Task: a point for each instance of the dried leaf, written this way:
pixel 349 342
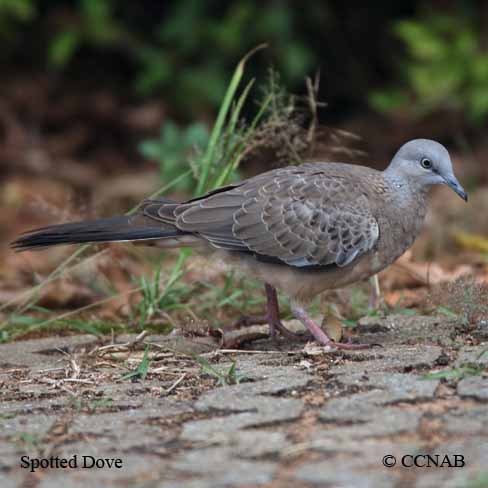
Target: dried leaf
pixel 332 323
pixel 474 242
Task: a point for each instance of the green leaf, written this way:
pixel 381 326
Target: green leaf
pixel 155 70
pixel 479 69
pixel 231 377
pixel 101 403
pixel 296 59
pixel 460 372
pixel 422 42
pixel 448 374
pixel 478 103
pixel 63 47
pixel 388 101
pixel 196 135
pixel 151 150
pixel 207 368
pixel 96 9
pixel 86 327
pixel 142 369
pixel 23 10
pixel 8 415
pixel 25 320
pixel 446 311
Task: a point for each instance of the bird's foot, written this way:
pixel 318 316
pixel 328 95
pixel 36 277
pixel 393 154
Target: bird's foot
pixel 275 326
pixel 320 336
pixel 278 326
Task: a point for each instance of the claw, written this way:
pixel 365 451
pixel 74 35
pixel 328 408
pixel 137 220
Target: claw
pixel 320 335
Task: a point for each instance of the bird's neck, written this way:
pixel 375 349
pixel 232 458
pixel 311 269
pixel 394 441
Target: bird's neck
pixel 406 190
pixel 405 213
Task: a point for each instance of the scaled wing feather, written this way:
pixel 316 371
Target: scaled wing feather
pixel 311 215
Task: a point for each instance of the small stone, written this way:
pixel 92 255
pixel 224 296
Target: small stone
pixel 473 386
pixel 477 355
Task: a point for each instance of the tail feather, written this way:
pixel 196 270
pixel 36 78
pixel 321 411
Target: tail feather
pixel 103 230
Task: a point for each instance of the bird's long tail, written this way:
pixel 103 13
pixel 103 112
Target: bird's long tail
pixel 115 229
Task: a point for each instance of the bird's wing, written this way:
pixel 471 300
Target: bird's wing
pixel 311 215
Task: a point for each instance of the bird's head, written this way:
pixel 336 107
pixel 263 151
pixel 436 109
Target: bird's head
pixel 426 163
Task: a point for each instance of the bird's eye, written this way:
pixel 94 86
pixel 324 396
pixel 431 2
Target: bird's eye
pixel 426 163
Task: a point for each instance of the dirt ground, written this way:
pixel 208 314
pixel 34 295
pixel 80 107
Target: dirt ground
pixel 299 415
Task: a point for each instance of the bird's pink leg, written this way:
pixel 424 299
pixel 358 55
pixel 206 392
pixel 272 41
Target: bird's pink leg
pixel 272 316
pixel 319 334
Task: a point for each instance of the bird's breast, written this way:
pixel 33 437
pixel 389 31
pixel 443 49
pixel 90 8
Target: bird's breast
pixel 400 224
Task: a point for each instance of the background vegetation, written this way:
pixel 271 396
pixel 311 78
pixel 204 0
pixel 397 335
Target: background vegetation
pixel 183 51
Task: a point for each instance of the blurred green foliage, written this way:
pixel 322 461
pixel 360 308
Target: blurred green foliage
pixel 445 67
pixel 13 13
pixel 184 49
pixel 174 148
pixel 17 9
pixel 177 57
pixel 95 25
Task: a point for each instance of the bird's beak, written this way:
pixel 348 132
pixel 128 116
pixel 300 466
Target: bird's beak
pixel 453 183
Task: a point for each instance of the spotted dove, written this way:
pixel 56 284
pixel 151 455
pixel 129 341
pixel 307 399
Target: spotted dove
pixel 300 229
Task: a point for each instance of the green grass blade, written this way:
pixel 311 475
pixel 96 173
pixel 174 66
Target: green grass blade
pixel 237 153
pixel 217 130
pixel 141 370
